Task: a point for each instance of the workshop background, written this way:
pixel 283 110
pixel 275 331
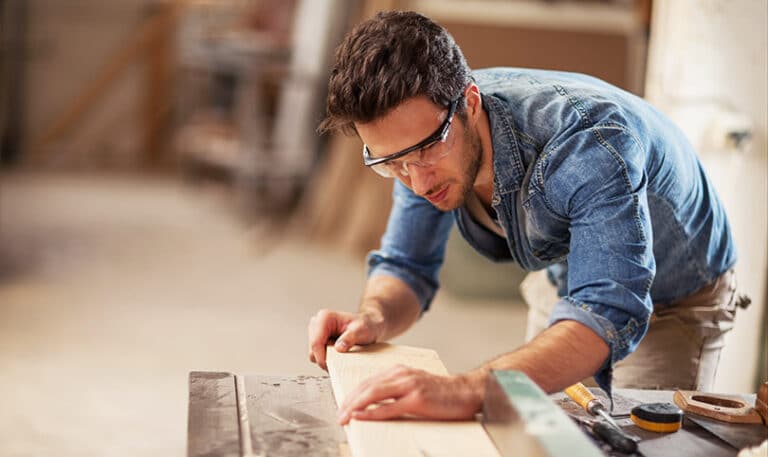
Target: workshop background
pixel 167 206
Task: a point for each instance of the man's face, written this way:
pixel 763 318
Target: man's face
pixel 447 182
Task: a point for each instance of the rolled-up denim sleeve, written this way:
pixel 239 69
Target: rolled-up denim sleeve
pixel 596 179
pixel 413 246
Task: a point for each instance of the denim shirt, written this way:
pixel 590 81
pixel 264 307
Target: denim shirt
pixel 590 182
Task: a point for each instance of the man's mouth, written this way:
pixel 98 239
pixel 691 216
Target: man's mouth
pixel 437 197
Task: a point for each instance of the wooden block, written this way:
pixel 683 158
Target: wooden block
pixel 403 438
pixel 213 426
pixel 726 408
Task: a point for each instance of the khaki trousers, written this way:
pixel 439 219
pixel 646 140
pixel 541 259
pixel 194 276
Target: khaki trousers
pixel 682 347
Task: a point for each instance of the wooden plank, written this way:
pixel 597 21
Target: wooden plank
pixel 292 416
pixel 213 427
pixel 403 438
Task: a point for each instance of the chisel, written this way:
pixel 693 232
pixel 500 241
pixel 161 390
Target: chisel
pixel 609 431
pixel 584 398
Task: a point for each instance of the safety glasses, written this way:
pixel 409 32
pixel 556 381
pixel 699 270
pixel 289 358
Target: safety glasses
pixel 389 166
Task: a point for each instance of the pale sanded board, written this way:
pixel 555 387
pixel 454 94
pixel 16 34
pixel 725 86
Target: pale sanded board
pixel 402 438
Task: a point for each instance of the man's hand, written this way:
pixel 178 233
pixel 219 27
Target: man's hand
pixel 404 391
pixel 349 329
pixel 387 309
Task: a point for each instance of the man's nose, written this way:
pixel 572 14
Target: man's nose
pixel 422 179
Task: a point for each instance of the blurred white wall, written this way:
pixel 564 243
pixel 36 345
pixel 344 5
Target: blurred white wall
pixel 708 69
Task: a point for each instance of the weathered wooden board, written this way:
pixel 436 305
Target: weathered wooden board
pixel 257 415
pixel 212 427
pixel 292 416
pixel 403 438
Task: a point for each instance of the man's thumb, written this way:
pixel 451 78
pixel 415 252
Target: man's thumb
pixel 344 342
pixel 347 339
pixel 341 345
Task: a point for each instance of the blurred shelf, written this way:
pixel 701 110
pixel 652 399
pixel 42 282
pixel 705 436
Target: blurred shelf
pixel 603 39
pixel 210 145
pixel 576 16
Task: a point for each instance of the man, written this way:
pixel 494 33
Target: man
pixel 551 170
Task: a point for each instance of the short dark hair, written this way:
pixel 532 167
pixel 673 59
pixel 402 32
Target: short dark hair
pixel 385 60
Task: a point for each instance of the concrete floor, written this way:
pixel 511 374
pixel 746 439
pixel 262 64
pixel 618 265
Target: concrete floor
pixel 113 288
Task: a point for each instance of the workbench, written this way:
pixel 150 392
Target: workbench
pixel 292 416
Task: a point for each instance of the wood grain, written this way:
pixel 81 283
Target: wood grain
pixel 213 428
pixel 292 416
pixel 404 438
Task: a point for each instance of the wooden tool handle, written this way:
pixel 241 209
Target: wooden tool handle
pixel 581 395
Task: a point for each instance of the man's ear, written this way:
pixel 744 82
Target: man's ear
pixel 474 103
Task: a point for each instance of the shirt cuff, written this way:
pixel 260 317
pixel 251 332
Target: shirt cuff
pixel 618 342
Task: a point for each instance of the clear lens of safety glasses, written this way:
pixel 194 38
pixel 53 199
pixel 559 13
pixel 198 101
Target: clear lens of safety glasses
pixel 427 152
pixel 388 169
pixel 425 158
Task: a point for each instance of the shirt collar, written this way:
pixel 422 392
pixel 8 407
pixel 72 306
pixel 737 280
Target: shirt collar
pixel 508 168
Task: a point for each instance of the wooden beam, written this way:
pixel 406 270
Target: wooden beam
pixel 403 438
pixel 213 427
pixel 157 103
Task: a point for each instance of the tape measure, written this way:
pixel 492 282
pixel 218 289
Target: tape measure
pixel 657 417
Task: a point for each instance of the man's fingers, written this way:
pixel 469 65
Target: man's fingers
pixel 342 345
pixel 356 332
pixel 393 410
pixel 349 338
pixel 316 349
pixel 407 391
pixel 349 330
pixel 375 390
pixel 396 390
pixel 320 329
pixel 380 378
pixel 318 353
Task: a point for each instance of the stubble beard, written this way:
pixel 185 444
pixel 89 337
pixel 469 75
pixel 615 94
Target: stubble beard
pixel 470 165
pixel 473 161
